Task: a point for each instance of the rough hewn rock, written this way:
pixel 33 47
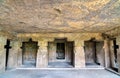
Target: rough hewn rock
pixel 45 20
pixel 59 16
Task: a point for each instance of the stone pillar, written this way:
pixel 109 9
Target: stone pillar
pixel 79 59
pixel 15 56
pixel 118 60
pixel 107 53
pixel 2 53
pixel 42 55
pixel 19 54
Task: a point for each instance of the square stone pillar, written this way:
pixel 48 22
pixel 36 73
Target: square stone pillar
pixel 15 55
pixel 2 53
pixel 107 53
pixel 19 54
pixel 79 58
pixel 42 55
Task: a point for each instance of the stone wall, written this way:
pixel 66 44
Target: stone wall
pixel 2 53
pixel 4 35
pixel 52 51
pixel 44 38
pixel 15 57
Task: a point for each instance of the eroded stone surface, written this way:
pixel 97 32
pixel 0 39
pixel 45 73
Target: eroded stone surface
pixel 34 18
pixel 59 16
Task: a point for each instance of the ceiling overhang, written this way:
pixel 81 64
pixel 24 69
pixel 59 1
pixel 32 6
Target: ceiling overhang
pixel 59 16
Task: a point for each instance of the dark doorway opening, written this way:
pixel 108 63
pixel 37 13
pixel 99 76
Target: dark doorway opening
pixel 7 47
pixel 94 53
pixel 29 53
pixel 60 53
pixel 115 47
pixel 90 53
pixel 115 50
pixel 71 50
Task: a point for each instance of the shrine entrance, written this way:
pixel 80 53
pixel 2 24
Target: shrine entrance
pixel 60 53
pixel 29 53
pixel 94 53
pixel 60 50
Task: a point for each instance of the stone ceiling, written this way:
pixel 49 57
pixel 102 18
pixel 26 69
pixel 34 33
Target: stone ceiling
pixel 35 16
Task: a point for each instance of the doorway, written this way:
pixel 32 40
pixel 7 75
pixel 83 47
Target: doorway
pixel 114 56
pixel 29 53
pixel 90 54
pixel 94 53
pixel 60 51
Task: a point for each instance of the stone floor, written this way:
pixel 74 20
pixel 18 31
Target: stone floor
pixel 93 65
pixel 60 65
pixel 59 73
pixel 68 65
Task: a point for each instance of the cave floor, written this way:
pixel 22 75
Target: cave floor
pixel 58 73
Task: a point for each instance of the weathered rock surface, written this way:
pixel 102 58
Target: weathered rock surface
pixel 59 15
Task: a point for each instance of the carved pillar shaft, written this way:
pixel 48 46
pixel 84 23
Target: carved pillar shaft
pixel 79 54
pixel 15 54
pixel 107 53
pixel 42 55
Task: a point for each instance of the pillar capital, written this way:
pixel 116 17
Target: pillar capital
pixel 79 43
pixel 42 43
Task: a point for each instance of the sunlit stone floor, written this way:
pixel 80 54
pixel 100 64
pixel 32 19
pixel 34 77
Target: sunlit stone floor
pixel 59 73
